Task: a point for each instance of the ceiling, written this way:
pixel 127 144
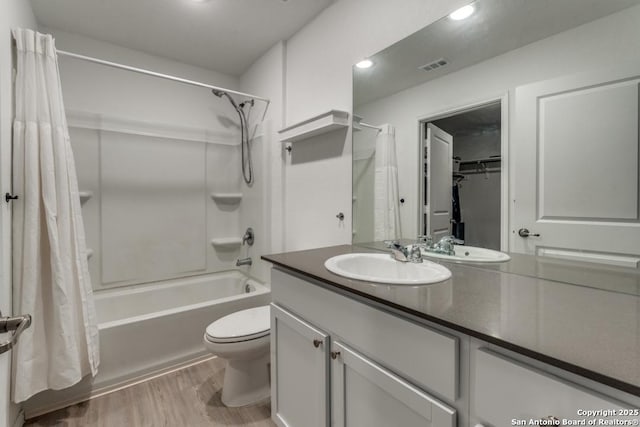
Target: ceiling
pixel 478 120
pixel 221 35
pixel 497 27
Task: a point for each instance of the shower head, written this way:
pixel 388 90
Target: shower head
pixel 244 134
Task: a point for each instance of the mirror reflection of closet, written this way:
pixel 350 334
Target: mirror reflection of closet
pixel 461 196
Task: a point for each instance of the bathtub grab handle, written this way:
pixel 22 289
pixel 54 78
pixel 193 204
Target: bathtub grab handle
pixel 17 324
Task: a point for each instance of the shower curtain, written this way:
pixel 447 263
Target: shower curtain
pixel 50 271
pixel 386 202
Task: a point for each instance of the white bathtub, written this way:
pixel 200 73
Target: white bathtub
pixel 151 328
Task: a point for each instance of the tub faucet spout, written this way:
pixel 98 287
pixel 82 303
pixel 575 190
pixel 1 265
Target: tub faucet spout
pixel 243 261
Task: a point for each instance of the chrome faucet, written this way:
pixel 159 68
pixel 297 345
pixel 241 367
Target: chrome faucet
pixel 404 253
pixel 444 246
pixel 243 261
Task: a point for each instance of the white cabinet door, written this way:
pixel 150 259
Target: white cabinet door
pixel 299 372
pixel 366 395
pixel 506 392
pixel 575 167
pixel 439 181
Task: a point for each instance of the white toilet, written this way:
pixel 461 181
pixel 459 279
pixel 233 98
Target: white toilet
pixel 242 338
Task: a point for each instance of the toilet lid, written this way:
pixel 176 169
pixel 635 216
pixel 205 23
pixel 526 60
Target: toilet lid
pixel 242 325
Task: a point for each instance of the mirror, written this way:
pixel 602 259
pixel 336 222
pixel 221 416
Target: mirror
pixel 515 129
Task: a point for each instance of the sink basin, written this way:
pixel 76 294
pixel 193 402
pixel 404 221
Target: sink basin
pixel 382 268
pixel 470 254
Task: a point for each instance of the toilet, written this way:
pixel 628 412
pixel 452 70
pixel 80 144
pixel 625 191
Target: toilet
pixel 242 338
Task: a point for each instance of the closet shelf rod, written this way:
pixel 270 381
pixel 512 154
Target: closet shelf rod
pixel 483 160
pixel 160 75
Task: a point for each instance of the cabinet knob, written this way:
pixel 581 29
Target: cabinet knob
pixel 335 354
pixel 316 343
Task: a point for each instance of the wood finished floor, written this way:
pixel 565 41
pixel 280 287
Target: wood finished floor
pixel 189 397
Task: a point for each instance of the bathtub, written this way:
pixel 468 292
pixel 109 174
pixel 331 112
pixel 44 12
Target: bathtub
pixel 149 329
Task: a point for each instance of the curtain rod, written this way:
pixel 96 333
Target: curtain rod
pixel 366 125
pixel 162 76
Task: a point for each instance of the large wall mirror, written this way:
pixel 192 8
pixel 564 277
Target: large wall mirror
pixel 514 128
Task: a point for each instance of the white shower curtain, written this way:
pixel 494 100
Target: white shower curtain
pixel 50 271
pixel 386 204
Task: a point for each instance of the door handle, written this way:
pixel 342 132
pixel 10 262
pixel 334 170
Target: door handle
pixel 523 232
pixel 17 324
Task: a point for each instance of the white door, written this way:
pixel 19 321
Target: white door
pixel 299 372
pixel 366 395
pixel 438 182
pixel 575 167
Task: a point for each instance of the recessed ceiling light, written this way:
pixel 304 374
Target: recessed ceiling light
pixel 365 63
pixel 463 13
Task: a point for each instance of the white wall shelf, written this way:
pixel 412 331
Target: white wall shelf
pixel 227 197
pixel 356 123
pixel 226 242
pixel 85 195
pixel 317 125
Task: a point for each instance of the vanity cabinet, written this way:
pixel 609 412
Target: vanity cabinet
pixel 339 365
pixel 507 392
pixel 365 394
pixel 342 360
pixel 299 371
pixel 307 380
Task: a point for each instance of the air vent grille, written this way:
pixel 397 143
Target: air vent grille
pixel 433 65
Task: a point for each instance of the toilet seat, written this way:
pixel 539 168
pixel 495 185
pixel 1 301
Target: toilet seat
pixel 244 325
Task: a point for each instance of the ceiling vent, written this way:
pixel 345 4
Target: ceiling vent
pixel 433 65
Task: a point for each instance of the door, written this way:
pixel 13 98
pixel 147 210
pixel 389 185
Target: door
pixel 299 372
pixel 7 410
pixel 366 395
pixel 438 181
pixel 575 167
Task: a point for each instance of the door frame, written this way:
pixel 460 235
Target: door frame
pixel 505 188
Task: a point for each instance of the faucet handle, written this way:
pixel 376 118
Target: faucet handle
pixel 425 238
pixel 452 239
pixel 392 244
pixel 415 255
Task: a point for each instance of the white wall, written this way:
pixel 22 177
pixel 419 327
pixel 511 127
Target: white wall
pixel 13 14
pixel 318 78
pixel 583 48
pixel 111 92
pixel 262 204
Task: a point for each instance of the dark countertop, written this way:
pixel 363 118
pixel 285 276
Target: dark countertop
pixel 600 276
pixel 592 332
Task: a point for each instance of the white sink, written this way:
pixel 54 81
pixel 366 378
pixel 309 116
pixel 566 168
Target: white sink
pixel 470 254
pixel 382 268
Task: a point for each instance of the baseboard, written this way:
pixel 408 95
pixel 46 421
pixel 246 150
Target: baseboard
pixel 102 391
